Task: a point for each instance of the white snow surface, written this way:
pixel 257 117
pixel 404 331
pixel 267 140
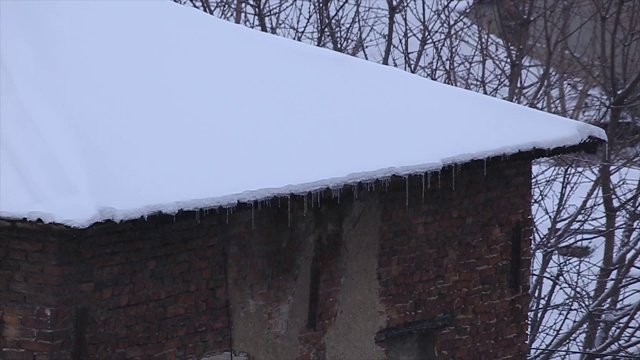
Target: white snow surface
pixel 119 109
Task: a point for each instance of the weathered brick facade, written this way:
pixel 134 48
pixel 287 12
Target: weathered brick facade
pixel 338 275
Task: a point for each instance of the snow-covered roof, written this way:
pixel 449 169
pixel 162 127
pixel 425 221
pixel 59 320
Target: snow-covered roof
pixel 118 109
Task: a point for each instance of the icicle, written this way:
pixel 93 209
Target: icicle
pixel 253 223
pixel 439 180
pixel 406 190
pixel 174 218
pixel 279 201
pixel 259 205
pixel 305 204
pixel 289 209
pixel 423 188
pixel 428 180
pixel 227 216
pixel 371 185
pixel 485 167
pixel 453 175
pixel 355 191
pixel 198 216
pixel 339 195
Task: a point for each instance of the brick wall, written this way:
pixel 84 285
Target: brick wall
pixel 143 289
pixel 153 289
pixel 357 262
pixel 34 316
pixel 451 253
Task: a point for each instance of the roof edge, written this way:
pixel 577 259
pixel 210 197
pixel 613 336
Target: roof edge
pixel 589 145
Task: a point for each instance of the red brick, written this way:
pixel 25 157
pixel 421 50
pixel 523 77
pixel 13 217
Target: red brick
pixel 18 310
pixel 39 346
pixel 35 323
pixel 87 287
pixel 17 254
pixel 180 268
pixel 28 245
pixel 56 269
pixel 17 332
pixel 44 279
pixel 16 354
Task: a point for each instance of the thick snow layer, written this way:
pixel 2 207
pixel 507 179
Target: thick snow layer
pixel 117 109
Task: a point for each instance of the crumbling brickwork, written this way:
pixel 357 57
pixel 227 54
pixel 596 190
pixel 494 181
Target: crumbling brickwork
pixel 160 292
pixel 144 289
pixel 34 311
pixel 335 274
pixel 451 253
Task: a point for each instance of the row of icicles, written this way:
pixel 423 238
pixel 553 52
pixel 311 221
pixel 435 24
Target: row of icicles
pixel 316 195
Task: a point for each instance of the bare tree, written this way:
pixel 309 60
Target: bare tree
pixel 586 289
